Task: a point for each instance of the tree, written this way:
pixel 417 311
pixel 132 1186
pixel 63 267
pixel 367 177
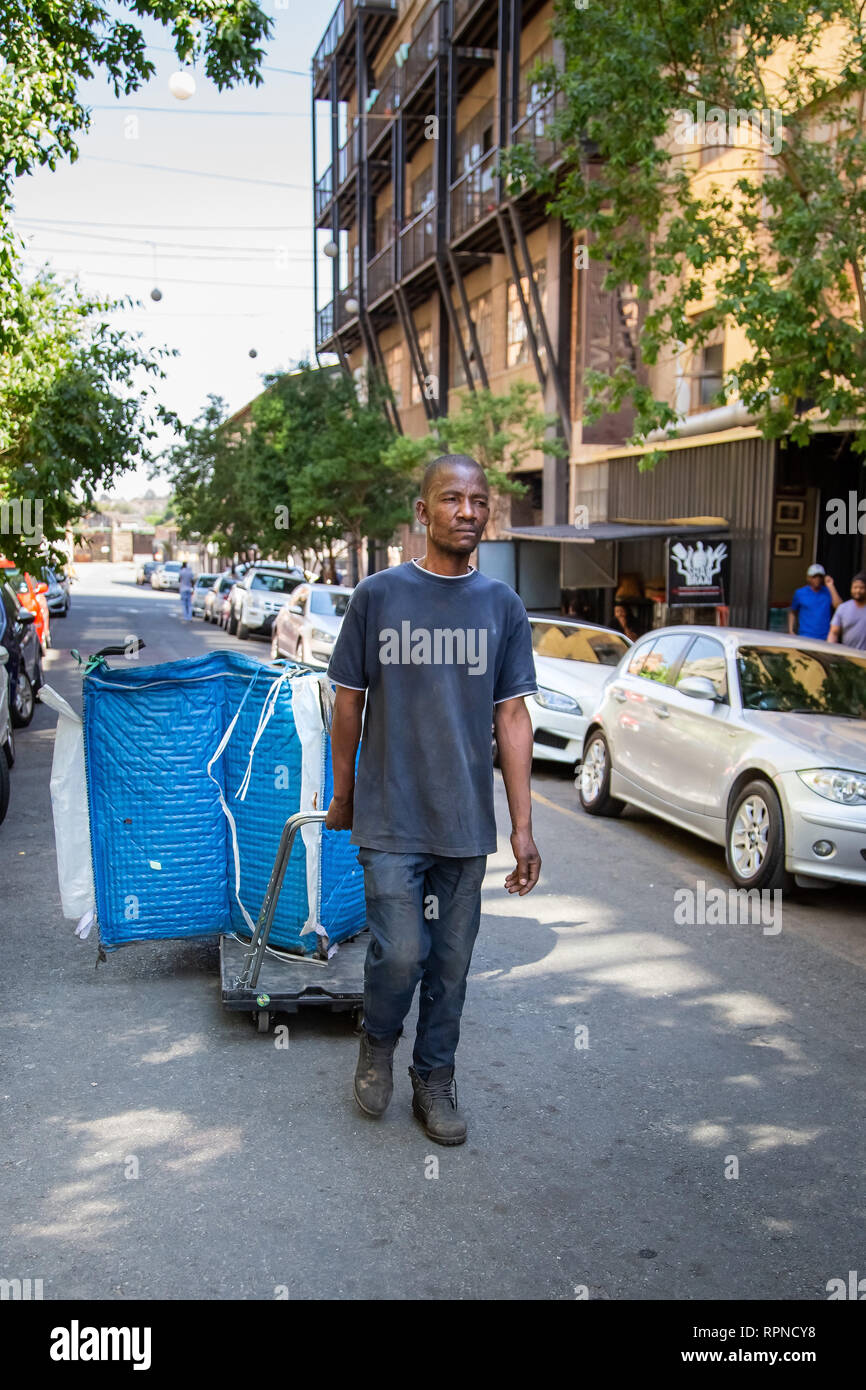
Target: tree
pixel 78 409
pixel 306 469
pixel 777 247
pixel 47 49
pixel 499 432
pixel 211 493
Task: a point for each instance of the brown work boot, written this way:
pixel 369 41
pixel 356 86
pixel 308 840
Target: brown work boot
pixel 434 1103
pixel 374 1076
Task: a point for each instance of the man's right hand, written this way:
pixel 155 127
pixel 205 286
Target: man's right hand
pixel 340 813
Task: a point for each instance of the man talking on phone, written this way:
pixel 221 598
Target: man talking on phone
pixel 439 653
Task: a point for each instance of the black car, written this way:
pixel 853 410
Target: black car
pixel 24 668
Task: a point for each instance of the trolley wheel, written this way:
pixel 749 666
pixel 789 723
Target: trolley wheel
pixel 262 1020
pixel 358 1019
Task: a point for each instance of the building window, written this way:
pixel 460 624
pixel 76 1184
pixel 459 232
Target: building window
pixel 517 348
pixel 393 358
pixel 482 316
pixel 710 375
pixel 425 343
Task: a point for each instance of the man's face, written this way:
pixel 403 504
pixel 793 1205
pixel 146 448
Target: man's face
pixel 858 591
pixel 816 581
pixel 456 510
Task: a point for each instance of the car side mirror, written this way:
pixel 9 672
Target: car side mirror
pixel 699 688
pixel 25 616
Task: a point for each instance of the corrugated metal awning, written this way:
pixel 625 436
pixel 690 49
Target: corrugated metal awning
pixel 616 531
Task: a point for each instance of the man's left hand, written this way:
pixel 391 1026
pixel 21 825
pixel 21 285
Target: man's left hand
pixel 524 876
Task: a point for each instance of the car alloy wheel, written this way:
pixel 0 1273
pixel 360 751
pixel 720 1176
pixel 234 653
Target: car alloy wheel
pixel 593 770
pixel 750 836
pixel 22 712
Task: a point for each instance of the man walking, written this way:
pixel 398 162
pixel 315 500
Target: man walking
pixel 813 604
pixel 849 620
pixel 440 653
pixel 185 582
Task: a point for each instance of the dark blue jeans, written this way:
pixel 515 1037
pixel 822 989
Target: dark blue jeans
pixel 423 911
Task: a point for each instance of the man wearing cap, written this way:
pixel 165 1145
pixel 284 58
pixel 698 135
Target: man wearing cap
pixel 813 604
pixel 849 620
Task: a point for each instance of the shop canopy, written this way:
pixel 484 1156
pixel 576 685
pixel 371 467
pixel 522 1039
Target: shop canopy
pixel 620 530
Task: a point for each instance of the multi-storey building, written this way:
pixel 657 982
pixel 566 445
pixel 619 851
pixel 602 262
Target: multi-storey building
pixel 446 283
pixel 441 280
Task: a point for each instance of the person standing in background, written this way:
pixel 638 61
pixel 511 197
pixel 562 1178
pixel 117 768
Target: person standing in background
pixel 813 605
pixel 185 583
pixel 849 620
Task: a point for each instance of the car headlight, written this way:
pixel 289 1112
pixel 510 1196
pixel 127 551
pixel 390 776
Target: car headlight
pixel 836 784
pixel 552 699
pixel 319 635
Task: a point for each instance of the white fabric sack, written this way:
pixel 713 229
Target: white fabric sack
pixel 69 808
pixel 307 713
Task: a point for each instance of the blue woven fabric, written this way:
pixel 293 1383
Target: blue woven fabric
pixel 162 847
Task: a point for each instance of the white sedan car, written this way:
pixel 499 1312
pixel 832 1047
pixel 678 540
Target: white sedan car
pixel 572 662
pixel 753 740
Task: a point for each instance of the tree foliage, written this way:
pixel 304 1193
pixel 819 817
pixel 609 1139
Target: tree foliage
pixel 778 248
pixel 78 409
pixel 499 432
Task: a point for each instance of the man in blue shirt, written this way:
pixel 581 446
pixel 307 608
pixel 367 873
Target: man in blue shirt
pixel 813 604
pixel 440 653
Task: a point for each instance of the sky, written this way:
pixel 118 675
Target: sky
pixel 227 238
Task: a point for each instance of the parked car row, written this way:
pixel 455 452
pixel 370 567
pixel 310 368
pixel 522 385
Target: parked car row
pixel 24 637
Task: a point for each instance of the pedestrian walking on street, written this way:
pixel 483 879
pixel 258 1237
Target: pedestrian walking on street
pixel 849 620
pixel 185 583
pixel 813 604
pixel 440 654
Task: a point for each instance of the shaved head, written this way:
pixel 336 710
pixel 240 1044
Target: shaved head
pixel 434 471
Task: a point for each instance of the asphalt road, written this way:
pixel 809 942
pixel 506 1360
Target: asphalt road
pixel 157 1147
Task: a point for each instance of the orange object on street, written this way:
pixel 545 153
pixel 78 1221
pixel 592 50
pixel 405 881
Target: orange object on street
pixel 31 594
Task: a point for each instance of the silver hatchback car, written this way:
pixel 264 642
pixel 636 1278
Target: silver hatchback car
pixel 753 740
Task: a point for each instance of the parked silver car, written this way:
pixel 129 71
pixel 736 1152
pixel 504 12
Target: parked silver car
pixel 753 740
pixel 308 626
pixel 203 586
pixel 213 599
pixel 257 598
pixel 166 576
pixel 572 662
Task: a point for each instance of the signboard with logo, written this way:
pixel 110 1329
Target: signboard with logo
pixel 698 571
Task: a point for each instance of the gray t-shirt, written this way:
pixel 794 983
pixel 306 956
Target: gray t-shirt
pixel 851 618
pixel 184 579
pixel 434 654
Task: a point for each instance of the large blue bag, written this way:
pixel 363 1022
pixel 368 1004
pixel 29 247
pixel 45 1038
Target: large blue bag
pixel 193 768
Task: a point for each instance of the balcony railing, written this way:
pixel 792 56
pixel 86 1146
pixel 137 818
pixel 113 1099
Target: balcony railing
pixel 461 9
pixel 534 129
pixel 386 105
pixel 380 273
pixel 422 49
pixel 345 315
pixel 324 192
pixel 473 195
pixel 347 158
pixel 340 18
pixel 325 323
pixel 417 241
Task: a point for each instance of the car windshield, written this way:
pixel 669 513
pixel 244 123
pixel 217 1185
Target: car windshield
pixel 570 642
pixel 172 565
pixel 276 583
pixel 205 581
pixel 796 679
pixel 332 605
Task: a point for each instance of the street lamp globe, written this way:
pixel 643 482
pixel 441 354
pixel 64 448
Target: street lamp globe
pixel 181 84
pixel 352 306
pixel 331 249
